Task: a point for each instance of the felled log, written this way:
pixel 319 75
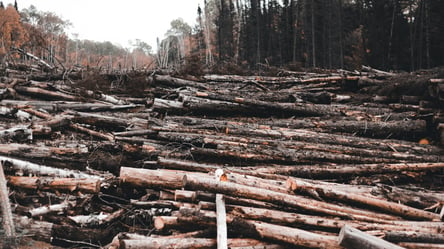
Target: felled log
pixel 42 169
pixel 350 237
pixel 5 207
pixel 293 236
pixel 233 189
pixel 62 207
pixel 95 220
pixel 255 229
pixel 176 82
pixel 64 234
pixel 349 170
pixel 318 222
pixel 56 184
pixel 369 201
pixel 19 134
pixel 169 179
pixel 411 245
pixel 44 94
pixel 55 106
pixel 415 237
pixel 186 243
pixel 99 120
pixel 103 136
pixel 41 153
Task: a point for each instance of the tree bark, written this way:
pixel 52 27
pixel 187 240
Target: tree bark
pixel 350 237
pixel 56 184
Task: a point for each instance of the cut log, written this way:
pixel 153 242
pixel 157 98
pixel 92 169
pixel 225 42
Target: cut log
pixel 20 134
pixel 369 201
pixel 62 207
pixel 44 94
pixel 414 237
pixel 5 207
pixel 103 136
pixel 352 238
pixel 293 236
pixel 410 245
pixel 44 170
pixel 56 184
pixel 169 179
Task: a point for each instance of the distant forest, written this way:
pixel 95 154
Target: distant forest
pixel 387 34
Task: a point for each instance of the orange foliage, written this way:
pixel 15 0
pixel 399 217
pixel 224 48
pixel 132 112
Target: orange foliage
pixel 12 33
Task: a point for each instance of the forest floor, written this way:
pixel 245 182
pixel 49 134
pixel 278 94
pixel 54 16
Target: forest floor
pixel 128 159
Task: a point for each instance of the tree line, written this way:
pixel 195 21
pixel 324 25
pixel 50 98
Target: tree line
pixel 44 34
pixel 386 34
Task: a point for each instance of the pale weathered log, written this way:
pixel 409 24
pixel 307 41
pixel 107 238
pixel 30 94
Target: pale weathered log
pixel 56 184
pixel 176 82
pixel 55 106
pixel 62 207
pixel 17 133
pixel 44 170
pixel 5 207
pixel 349 170
pixel 352 238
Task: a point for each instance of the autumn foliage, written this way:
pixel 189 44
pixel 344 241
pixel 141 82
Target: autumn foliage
pixel 12 31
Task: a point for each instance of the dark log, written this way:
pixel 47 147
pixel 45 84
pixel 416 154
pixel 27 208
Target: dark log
pixel 352 238
pixel 62 207
pixel 415 237
pixel 186 243
pixel 56 106
pixel 233 189
pixel 176 82
pixel 349 170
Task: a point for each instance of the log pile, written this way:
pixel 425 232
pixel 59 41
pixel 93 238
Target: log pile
pixel 309 160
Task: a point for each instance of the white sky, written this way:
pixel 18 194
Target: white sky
pixel 118 21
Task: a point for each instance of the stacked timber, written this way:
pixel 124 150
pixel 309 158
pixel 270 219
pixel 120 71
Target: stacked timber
pixel 308 160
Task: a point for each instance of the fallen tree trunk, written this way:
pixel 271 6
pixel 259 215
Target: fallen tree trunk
pixel 352 238
pixel 233 189
pixel 186 243
pixel 56 184
pixel 33 168
pixel 415 237
pixel 369 201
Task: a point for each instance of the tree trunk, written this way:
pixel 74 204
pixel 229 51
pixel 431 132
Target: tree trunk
pixel 352 238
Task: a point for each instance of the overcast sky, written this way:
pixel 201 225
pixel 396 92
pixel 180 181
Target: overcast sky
pixel 118 21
